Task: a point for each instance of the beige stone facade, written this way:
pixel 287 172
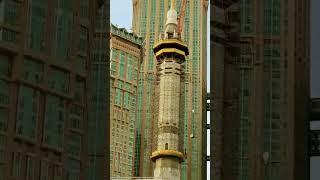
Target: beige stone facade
pixel 125 63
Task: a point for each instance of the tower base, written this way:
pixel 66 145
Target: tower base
pixel 168 169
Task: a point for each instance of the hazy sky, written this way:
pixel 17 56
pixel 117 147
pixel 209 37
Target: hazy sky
pixel 121 14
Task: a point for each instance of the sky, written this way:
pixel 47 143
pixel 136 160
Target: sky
pixel 121 15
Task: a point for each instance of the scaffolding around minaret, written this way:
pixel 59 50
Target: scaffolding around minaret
pixel 170 53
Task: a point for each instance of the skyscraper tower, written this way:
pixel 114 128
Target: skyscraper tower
pixel 260 84
pixel 170 52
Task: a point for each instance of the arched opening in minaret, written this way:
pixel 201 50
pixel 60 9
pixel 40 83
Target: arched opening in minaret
pixel 166 146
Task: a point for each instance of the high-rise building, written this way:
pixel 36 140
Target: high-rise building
pixel 260 89
pixel 45 62
pixel 126 58
pixel 98 164
pixel 149 17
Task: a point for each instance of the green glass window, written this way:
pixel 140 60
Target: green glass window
pixel 54 121
pixel 28 112
pixel 122 62
pixel 126 100
pixel 2 172
pixel 4 101
pixel 5 66
pixel 38 12
pixel 127 86
pixel 64 5
pixel 120 84
pixel 113 68
pixel 58 80
pixel 246 17
pixel 9 17
pixel 9 35
pixel 152 58
pixel 74 144
pixel 33 71
pixel 16 164
pixel 11 13
pixel 30 168
pixel 129 73
pixel 272 15
pixel 83 40
pixel 63 29
pixel 79 94
pixel 114 53
pixel 4 93
pixel 84 8
pixel 81 63
pixel 118 97
pixel 44 170
pixel 57 174
pixel 73 169
pixel 2 148
pixel 76 116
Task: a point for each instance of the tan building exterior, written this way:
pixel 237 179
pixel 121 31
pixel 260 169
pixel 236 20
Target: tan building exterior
pixel 149 18
pixel 260 87
pixel 126 58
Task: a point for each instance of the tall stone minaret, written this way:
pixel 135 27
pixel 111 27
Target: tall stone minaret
pixel 170 52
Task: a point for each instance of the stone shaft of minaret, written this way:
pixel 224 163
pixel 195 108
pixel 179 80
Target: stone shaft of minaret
pixel 168 121
pixel 170 53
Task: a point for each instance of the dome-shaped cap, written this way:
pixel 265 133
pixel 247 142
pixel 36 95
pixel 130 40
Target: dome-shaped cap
pixel 172 17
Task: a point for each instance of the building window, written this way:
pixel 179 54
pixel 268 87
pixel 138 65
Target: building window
pixel 83 40
pixel 84 9
pixel 79 94
pixel 76 116
pixel 44 170
pixel 122 62
pixel 118 97
pixel 2 148
pixel 8 35
pixel 16 164
pixel 28 112
pixel 74 144
pixel 81 63
pixel 126 100
pixel 57 174
pixel 4 115
pixel 33 71
pixel 54 121
pixel 72 169
pixel 59 80
pixel 38 11
pixel 11 11
pixel 4 102
pixel 30 173
pixel 5 66
pixel 9 18
pixel 63 29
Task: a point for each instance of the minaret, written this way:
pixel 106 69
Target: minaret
pixel 170 52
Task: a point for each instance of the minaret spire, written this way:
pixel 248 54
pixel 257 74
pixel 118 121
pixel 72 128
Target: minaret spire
pixel 171 54
pixel 172 21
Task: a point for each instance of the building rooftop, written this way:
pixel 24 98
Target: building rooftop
pixel 123 33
